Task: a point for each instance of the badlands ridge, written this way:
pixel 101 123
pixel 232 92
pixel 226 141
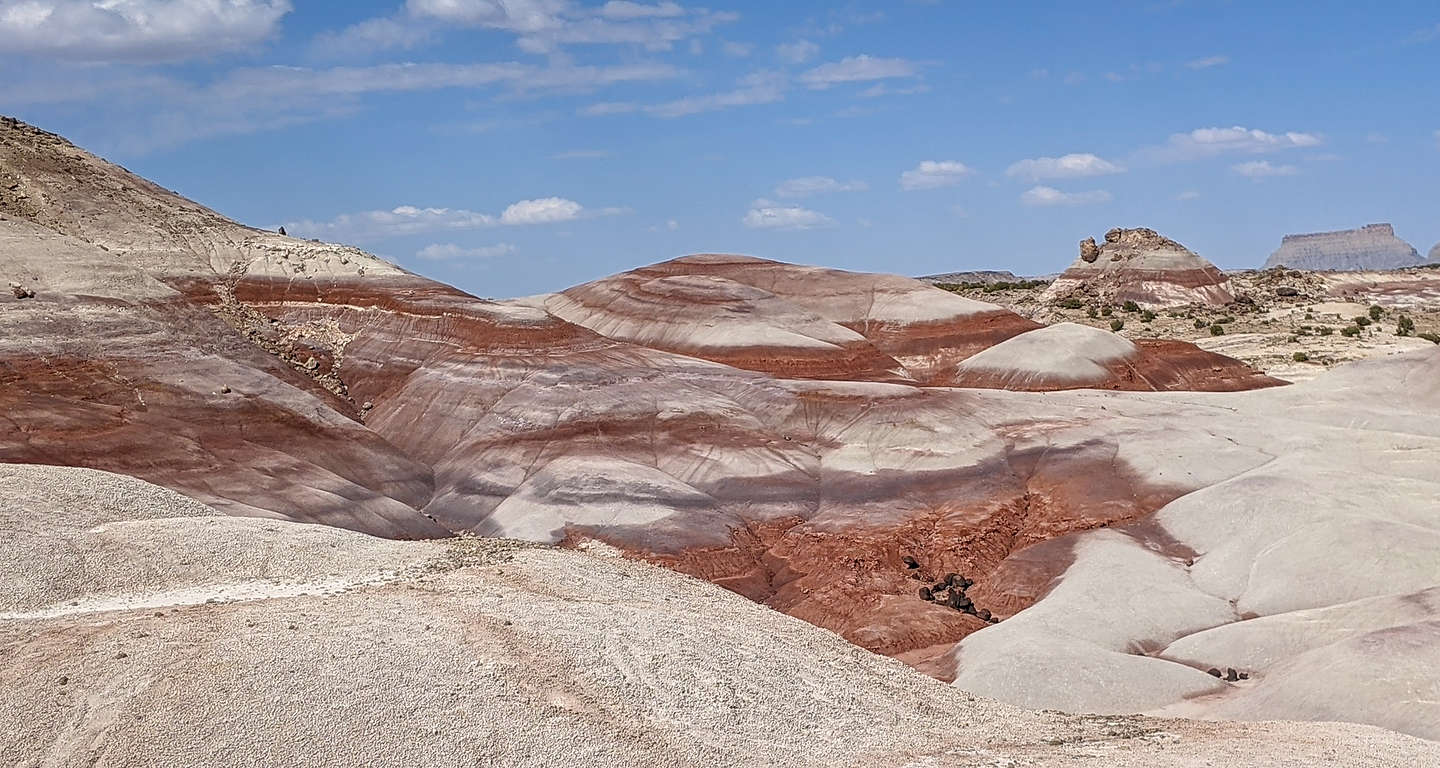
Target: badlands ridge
pixel 1120 517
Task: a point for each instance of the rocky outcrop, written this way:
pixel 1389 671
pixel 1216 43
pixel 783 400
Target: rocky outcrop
pixel 1073 356
pixel 1434 257
pixel 1373 246
pixel 1142 266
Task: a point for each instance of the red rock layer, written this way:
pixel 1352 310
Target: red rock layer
pixel 1162 365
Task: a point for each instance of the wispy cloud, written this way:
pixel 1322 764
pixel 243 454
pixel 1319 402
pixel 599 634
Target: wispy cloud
pixel 797 52
pixel 411 220
pixel 856 69
pixel 814 185
pixel 1260 169
pixel 540 26
pixel 765 214
pixel 1209 142
pixel 1208 62
pixel 1049 196
pixel 934 174
pixel 451 252
pixel 1070 166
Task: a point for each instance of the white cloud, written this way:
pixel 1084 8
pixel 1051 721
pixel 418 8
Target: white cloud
pixel 765 214
pixel 1208 62
pixel 608 108
pixel 136 30
pixel 1376 137
pixel 736 50
pixel 933 174
pixel 1259 169
pixel 856 69
pixel 756 88
pixel 797 52
pixel 412 220
pixel 1208 142
pixel 624 9
pixel 547 210
pixel 815 185
pixel 451 252
pixel 1188 194
pixel 542 26
pixel 1070 166
pixel 1074 78
pixel 1044 196
pixel 672 225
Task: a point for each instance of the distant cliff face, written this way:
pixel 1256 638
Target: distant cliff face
pixel 1373 246
pixel 1435 254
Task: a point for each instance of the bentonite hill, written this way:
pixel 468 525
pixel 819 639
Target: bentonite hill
pixel 277 500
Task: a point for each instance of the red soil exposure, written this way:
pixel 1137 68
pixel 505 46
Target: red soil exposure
pixel 854 581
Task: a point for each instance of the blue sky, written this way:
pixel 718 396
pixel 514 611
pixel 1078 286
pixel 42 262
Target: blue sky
pixel 519 146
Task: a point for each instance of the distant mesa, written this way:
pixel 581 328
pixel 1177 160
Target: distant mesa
pixel 1142 266
pixel 976 276
pixel 1373 246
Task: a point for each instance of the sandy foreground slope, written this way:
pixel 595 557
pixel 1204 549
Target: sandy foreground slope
pixel 139 627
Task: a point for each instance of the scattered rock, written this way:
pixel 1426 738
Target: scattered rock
pixel 926 594
pixel 121 655
pixel 21 292
pixel 282 230
pixel 63 680
pixel 1286 290
pixel 1215 672
pixel 1089 251
pixel 910 562
pixel 225 390
pixel 1231 675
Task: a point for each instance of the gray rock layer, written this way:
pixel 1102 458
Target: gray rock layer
pixel 1373 246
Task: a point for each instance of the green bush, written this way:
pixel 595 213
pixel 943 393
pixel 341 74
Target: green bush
pixel 1131 306
pixel 1226 319
pixel 1362 321
pixel 1092 312
pixel 1200 323
pixel 1146 316
pixel 1404 326
pixel 1351 330
pixel 1324 330
pixel 1217 330
pixel 1071 303
pixel 1433 338
pixel 1117 324
pixel 1107 311
pixel 1300 357
pixel 1376 311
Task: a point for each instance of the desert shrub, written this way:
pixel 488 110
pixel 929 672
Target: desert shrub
pixel 1131 306
pixel 1226 320
pixel 1362 321
pixel 1376 311
pixel 1217 329
pixel 1350 330
pixel 1324 330
pixel 1092 312
pixel 1200 322
pixel 1107 311
pixel 1433 338
pixel 1300 357
pixel 1117 324
pixel 1071 304
pixel 1404 326
pixel 1147 316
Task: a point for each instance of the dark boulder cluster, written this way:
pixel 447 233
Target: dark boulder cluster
pixel 951 591
pixel 21 292
pixel 1229 674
